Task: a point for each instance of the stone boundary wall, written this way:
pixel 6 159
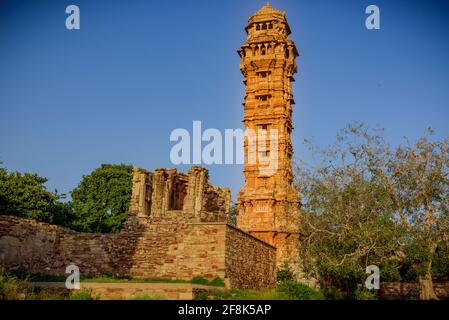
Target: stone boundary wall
pixel 38 247
pixel 410 290
pixel 250 262
pixel 157 250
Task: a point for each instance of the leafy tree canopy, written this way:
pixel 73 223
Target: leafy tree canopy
pixel 101 200
pixel 365 203
pixel 25 195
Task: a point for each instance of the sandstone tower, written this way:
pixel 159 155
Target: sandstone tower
pixel 268 204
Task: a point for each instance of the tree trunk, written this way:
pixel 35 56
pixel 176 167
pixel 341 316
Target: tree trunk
pixel 426 291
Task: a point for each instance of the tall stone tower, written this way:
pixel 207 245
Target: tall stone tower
pixel 268 204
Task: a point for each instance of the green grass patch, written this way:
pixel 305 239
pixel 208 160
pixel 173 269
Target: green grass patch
pixel 216 282
pixel 82 294
pixel 286 290
pixel 235 294
pixel 299 291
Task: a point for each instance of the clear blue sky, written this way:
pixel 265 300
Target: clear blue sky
pixel 113 91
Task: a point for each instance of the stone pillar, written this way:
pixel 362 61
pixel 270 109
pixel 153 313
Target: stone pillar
pixel 140 204
pixel 197 179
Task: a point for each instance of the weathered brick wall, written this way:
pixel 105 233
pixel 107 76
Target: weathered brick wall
pixel 409 290
pixel 47 249
pixel 250 262
pixel 169 249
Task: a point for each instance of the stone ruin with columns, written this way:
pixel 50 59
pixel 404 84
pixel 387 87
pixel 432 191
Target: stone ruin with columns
pixel 168 194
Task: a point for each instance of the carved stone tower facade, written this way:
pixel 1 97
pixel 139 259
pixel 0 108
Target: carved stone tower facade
pixel 268 204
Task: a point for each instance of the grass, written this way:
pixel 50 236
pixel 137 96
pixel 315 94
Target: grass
pixel 217 282
pixel 235 294
pixel 14 288
pixel 11 288
pixel 82 294
pixel 286 290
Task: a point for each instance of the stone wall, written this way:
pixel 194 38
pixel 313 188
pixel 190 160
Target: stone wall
pixel 47 249
pixel 410 290
pixel 250 262
pixel 163 250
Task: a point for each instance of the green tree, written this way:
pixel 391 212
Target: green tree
pixel 347 217
pixel 101 200
pixel 417 178
pixel 25 195
pixel 367 204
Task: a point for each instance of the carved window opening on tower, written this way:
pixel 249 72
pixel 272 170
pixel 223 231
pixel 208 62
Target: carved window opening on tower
pixel 266 75
pixel 264 98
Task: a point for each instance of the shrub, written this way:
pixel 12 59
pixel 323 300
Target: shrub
pixel 217 282
pixel 299 291
pixel 11 288
pixel 284 274
pixel 236 294
pixel 362 293
pixel 200 280
pixel 332 293
pixel 201 296
pixel 82 294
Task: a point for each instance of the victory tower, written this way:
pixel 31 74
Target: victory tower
pixel 268 204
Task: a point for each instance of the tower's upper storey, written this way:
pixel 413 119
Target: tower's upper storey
pixel 268 40
pixel 267 25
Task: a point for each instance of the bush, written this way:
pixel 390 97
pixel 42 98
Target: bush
pixel 284 274
pixel 236 294
pixel 217 282
pixel 299 291
pixel 332 293
pixel 200 280
pixel 362 293
pixel 82 294
pixel 11 288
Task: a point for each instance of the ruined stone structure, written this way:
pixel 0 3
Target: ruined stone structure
pixel 168 194
pixel 176 228
pixel 268 203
